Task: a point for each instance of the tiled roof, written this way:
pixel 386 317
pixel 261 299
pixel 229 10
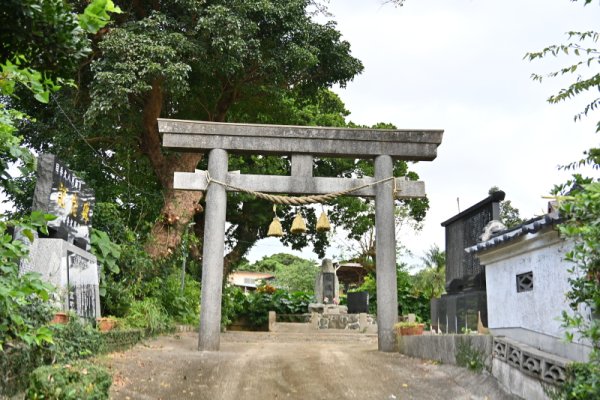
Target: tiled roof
pixel 532 226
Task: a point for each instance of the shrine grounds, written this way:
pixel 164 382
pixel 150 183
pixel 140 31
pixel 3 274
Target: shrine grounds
pixel 268 365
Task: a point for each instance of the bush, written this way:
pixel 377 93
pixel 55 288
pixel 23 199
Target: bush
pixel 77 339
pixel 255 306
pixel 16 362
pixel 233 303
pixel 583 382
pixel 148 314
pixel 183 307
pixel 69 381
pixel 120 340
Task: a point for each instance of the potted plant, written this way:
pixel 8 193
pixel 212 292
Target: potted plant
pixel 60 317
pixel 106 324
pixel 406 328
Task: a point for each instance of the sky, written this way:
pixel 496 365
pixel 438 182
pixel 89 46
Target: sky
pixel 458 65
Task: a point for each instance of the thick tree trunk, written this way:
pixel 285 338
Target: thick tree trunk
pixel 179 206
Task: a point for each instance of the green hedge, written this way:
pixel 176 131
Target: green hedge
pixel 76 381
pixel 120 340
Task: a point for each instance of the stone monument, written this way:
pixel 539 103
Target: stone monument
pixel 327 284
pixel 327 288
pixel 465 297
pixel 62 258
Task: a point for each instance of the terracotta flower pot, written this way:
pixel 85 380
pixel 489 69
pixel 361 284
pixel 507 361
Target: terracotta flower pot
pixel 60 318
pixel 106 324
pixel 412 330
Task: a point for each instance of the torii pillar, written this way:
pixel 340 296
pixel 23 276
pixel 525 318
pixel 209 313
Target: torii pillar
pixel 302 143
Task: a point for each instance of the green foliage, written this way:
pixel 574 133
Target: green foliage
pixel 370 286
pixel 11 150
pixel 95 15
pixel 587 58
pixel 120 339
pixel 77 339
pixel 581 210
pixel 148 314
pixel 233 302
pixel 469 357
pixel 255 306
pixel 18 293
pixel 108 253
pixel 75 381
pixel 409 301
pixel 509 215
pixel 430 282
pixel 181 304
pixel 581 213
pixel 582 383
pixel 43 41
pixel 291 273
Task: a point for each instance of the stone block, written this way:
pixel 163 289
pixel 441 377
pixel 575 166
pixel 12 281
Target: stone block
pixel 72 270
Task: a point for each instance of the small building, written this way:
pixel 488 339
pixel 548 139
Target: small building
pixel 527 279
pixel 249 280
pixel 350 274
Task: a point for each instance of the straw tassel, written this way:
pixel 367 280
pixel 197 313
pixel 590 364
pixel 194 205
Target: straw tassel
pixel 298 226
pixel 275 229
pixel 323 223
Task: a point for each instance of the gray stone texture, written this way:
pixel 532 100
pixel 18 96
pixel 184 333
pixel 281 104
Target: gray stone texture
pixel 317 141
pixel 213 252
pixel 443 348
pixel 72 270
pixel 387 291
pixel 326 268
pixel 296 184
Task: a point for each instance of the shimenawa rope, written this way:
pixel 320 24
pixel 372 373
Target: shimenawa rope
pixel 298 200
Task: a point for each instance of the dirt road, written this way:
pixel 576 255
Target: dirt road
pixel 317 366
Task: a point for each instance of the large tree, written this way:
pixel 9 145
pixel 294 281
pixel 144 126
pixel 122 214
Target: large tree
pixel 217 60
pixel 240 61
pixel 185 59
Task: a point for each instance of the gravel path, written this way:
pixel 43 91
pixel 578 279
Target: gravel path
pixel 260 365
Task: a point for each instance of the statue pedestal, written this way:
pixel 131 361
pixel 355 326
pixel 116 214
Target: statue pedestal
pixel 321 308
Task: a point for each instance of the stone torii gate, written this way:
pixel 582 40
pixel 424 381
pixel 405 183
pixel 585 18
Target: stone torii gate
pixel 302 143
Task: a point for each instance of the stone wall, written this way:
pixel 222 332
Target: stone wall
pixel 358 322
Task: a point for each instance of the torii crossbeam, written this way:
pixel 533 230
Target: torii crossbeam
pixel 302 143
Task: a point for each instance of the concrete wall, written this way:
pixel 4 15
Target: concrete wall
pixel 443 348
pixel 517 383
pixel 539 309
pixel 519 369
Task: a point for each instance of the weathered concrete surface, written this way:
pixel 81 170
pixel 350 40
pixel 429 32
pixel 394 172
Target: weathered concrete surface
pixel 212 254
pixel 317 141
pixel 516 382
pixel 385 243
pixel 443 348
pixel 532 317
pixel 298 184
pixel 253 365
